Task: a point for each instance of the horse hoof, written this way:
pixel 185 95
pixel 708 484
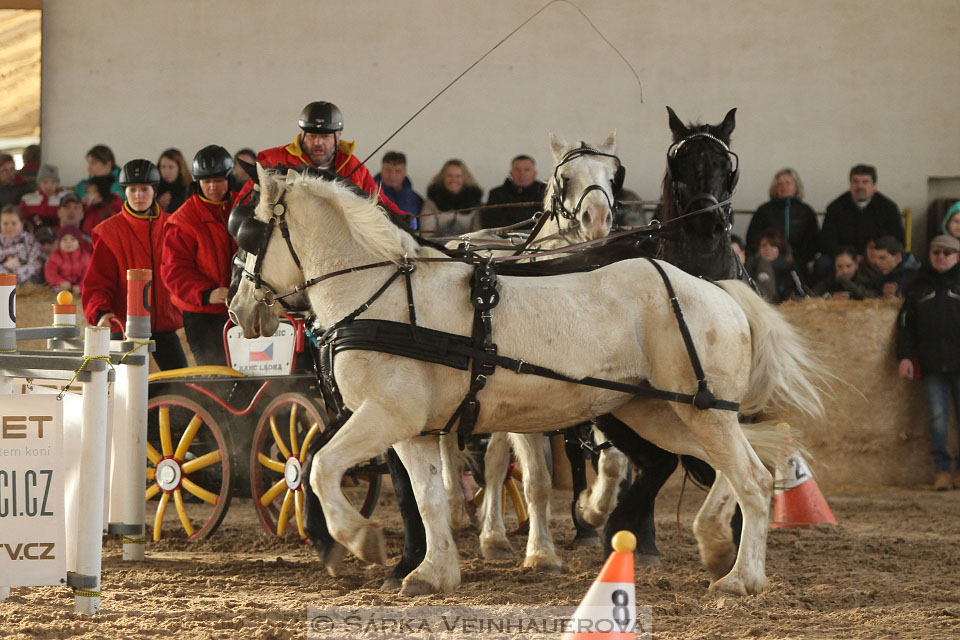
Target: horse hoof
pixel 721 563
pixel 416 587
pixel 647 559
pixel 731 584
pixel 543 563
pixel 586 542
pixel 332 558
pixel 392 583
pixel 371 546
pixel 496 549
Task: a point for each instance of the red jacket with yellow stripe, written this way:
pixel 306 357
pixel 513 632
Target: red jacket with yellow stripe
pixel 345 163
pixel 124 241
pixel 198 254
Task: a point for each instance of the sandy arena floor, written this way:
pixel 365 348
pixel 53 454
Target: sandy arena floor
pixel 890 570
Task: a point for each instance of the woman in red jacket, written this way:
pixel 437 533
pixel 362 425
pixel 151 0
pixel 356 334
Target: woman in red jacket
pixel 133 239
pixel 198 253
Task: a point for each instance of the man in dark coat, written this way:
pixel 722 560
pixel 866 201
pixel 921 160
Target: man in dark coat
pixel 927 332
pixel 395 183
pixel 521 186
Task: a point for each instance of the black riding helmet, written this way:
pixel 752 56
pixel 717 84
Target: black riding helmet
pixel 139 172
pixel 213 161
pixel 321 117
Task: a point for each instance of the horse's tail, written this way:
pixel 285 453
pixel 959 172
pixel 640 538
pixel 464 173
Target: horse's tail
pixel 774 442
pixel 784 371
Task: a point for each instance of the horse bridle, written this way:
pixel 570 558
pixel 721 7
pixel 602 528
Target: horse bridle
pixel 557 208
pixel 722 209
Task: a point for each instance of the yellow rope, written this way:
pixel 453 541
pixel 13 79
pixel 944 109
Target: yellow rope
pixel 86 593
pixel 76 373
pixel 141 540
pixel 139 345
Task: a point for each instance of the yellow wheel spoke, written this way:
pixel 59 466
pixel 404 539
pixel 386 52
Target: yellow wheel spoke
pixel 503 501
pixel 511 488
pixel 269 463
pixel 153 455
pixel 298 505
pixel 273 492
pixel 187 438
pixel 158 519
pixel 184 520
pixel 277 439
pixel 516 474
pixel 202 462
pixel 166 443
pixel 293 429
pixel 478 498
pixel 314 430
pixel 198 491
pixel 284 513
pixel 151 473
pixel 153 490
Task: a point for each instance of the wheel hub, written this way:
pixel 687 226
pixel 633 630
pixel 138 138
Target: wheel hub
pixel 292 473
pixel 168 474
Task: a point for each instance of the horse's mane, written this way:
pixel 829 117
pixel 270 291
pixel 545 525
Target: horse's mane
pixel 369 224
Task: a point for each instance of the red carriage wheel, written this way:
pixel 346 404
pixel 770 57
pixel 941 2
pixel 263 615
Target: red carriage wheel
pixel 188 458
pixel 283 435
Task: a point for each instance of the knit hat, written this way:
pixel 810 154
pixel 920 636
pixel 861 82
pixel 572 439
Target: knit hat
pixel 69 230
pixel 954 208
pixel 48 171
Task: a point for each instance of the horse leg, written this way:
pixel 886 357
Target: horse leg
pixel 367 433
pixel 594 505
pixel 414 538
pixel 712 529
pixel 440 570
pixel 330 551
pixel 635 508
pixel 452 466
pixel 705 475
pixel 494 544
pixel 537 485
pixel 586 536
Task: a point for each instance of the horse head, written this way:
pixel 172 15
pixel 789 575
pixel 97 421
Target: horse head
pixel 701 176
pixel 579 195
pixel 264 274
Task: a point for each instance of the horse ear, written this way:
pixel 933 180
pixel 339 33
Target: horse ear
pixel 250 170
pixel 726 127
pixel 557 145
pixel 680 130
pixel 610 144
pixel 269 188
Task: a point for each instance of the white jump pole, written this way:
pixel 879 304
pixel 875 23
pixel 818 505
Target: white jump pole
pixel 131 437
pixel 93 451
pixel 8 342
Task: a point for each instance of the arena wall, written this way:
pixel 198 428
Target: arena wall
pixel 820 85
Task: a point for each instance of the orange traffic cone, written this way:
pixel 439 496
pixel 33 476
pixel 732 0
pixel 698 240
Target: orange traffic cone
pixel 797 500
pixel 609 610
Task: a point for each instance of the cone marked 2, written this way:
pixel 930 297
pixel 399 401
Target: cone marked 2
pixel 798 501
pixel 609 610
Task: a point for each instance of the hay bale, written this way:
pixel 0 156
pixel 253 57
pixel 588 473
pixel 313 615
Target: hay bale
pixel 875 431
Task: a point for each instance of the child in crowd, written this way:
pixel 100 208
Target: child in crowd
pixel 40 206
pixel 894 272
pixel 68 263
pixel 70 211
pixel 46 237
pixel 848 281
pixel 951 221
pixel 774 270
pixel 19 252
pixel 99 203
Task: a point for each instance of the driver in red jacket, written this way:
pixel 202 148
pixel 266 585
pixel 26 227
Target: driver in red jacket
pixel 319 145
pixel 197 256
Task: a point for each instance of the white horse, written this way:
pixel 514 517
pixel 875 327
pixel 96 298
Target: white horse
pixel 582 183
pixel 749 353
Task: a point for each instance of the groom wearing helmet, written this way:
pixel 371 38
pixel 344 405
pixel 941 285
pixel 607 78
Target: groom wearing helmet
pixel 133 239
pixel 197 253
pixel 319 145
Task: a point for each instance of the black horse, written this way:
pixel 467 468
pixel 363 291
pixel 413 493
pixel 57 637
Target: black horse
pixel 696 218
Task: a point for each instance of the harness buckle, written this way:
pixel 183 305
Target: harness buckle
pixel 520 363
